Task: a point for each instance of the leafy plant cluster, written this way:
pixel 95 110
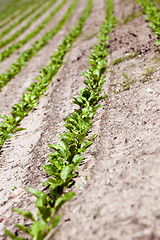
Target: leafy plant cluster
pixel 153 15
pixel 25 56
pixel 14 13
pixel 22 29
pixel 65 159
pixel 16 23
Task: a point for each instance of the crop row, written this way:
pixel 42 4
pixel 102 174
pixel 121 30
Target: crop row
pixel 13 47
pixel 7 9
pixel 25 56
pixel 19 11
pixel 16 23
pixel 27 25
pixel 65 159
pixel 11 9
pixel 153 15
pixel 36 89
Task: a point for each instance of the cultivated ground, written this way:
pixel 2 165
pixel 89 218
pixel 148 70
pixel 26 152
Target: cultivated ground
pixel 118 189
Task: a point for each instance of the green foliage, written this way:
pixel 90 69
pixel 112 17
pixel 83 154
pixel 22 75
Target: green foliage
pixel 153 15
pixel 66 157
pixel 25 56
pixel 30 99
pixel 127 83
pixel 16 23
pixel 11 9
pixel 9 50
pixel 13 13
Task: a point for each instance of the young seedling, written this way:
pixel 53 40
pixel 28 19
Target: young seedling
pixel 126 84
pixel 147 74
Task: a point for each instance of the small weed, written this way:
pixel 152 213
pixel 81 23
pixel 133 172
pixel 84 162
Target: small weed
pixel 148 72
pixel 132 17
pixel 121 59
pixel 126 84
pixel 14 188
pixel 86 177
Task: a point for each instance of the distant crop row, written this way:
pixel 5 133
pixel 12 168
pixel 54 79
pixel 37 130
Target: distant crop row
pixel 27 25
pixel 16 23
pixel 65 159
pixel 13 47
pixel 15 10
pixel 36 89
pixel 19 10
pixel 25 56
pixel 153 15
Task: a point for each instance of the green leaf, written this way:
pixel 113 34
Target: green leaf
pixel 61 200
pixel 36 192
pixel 25 214
pixel 69 137
pixel 64 145
pixel 53 183
pixel 38 230
pixel 19 129
pixel 66 171
pixel 50 169
pixel 85 145
pixel 45 213
pixel 42 198
pixel 56 220
pixel 12 236
pixel 77 159
pixel 23 228
pixel 158 43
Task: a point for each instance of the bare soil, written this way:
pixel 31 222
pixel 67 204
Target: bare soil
pixel 117 191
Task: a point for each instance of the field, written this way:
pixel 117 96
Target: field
pixel 80 119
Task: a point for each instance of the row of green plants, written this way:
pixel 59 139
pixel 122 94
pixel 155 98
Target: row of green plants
pixel 12 8
pixel 16 23
pixel 67 156
pixel 19 11
pixel 26 55
pixel 27 25
pixel 7 8
pixel 36 89
pixel 13 47
pixel 12 17
pixel 153 15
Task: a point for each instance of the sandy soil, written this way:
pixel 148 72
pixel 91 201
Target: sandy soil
pixel 117 191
